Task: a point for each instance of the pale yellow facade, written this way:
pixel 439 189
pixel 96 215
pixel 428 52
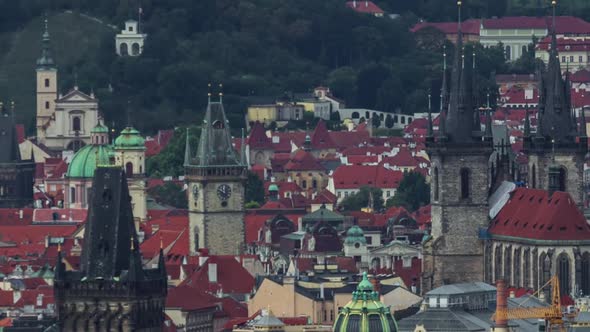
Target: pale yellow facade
pixel 286 302
pixel 262 113
pixel 46 96
pixel 134 159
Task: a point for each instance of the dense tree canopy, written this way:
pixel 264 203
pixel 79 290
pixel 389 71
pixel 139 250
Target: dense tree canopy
pixel 367 197
pixel 412 193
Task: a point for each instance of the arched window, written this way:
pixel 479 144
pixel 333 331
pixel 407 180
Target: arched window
pixel 304 184
pixel 464 183
pixel 196 235
pixel 314 184
pixel 355 115
pixel 123 49
pixel 563 272
pixel 498 263
pixel 524 50
pixel 585 286
pixel 562 178
pixel 508 265
pixel 508 52
pixel 47 82
pixel 516 282
pixel 526 266
pixel 76 125
pixel 46 105
pixel 129 169
pixel 534 177
pixel 135 49
pixel 72 195
pixel 218 124
pixel 435 184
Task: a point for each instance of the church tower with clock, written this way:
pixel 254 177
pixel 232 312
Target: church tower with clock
pixel 216 177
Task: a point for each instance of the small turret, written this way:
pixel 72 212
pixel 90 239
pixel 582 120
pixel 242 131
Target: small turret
pixel 46 61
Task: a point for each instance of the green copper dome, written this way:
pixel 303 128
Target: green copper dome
pixel 354 235
pixel 87 159
pixel 99 129
pixel 365 313
pixel 130 138
pixel 273 187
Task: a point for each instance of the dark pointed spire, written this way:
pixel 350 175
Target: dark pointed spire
pixel 162 261
pixel 460 117
pixel 555 120
pixel 583 132
pixel 527 122
pixel 59 265
pixel 45 61
pixel 187 148
pixel 444 87
pixel 430 133
pixel 215 144
pixel 135 272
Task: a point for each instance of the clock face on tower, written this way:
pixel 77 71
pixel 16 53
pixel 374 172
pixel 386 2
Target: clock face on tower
pixel 224 192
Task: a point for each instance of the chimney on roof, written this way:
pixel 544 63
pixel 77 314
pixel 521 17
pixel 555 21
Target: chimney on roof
pixel 366 3
pixel 202 260
pixel 212 272
pixel 20 214
pixel 354 3
pixel 39 300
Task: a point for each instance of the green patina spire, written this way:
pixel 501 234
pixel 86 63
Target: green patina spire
pixel 46 61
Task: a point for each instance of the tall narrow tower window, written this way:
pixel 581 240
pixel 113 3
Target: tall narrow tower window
pixel 464 183
pixel 76 123
pixel 129 169
pixel 46 105
pixel 534 177
pixel 435 183
pixel 47 82
pixel 562 178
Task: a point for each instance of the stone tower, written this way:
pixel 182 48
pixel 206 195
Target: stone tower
pixel 16 174
pixel 46 87
pixel 216 177
pixel 130 154
pixel 460 154
pixel 112 291
pixel 558 138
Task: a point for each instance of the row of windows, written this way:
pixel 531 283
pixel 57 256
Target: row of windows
pixel 571 59
pixel 388 193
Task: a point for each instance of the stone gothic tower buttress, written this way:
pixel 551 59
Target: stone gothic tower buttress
pixel 459 154
pixel 216 178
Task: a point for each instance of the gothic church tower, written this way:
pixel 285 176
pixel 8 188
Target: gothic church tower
pixel 216 177
pixel 558 139
pixel 460 154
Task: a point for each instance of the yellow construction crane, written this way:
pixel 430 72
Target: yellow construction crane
pixel 551 314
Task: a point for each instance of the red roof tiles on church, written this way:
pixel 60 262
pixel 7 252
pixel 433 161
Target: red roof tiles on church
pixel 232 277
pixel 257 138
pixel 534 214
pixel 356 176
pixel 320 138
pixel 303 161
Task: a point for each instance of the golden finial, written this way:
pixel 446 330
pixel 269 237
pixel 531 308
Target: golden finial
pixel 59 247
pixel 132 244
pixel 161 242
pixel 220 90
pixel 459 3
pixel 553 2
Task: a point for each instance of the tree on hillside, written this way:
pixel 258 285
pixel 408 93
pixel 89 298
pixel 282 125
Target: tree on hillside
pixel 169 194
pixel 254 189
pixel 361 199
pixel 412 193
pixel 171 160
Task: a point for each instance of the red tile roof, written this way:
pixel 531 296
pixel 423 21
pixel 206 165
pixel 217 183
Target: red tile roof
pixel 189 298
pixel 363 6
pixel 356 176
pixel 563 24
pixel 303 161
pixel 320 138
pixel 257 138
pixel 255 220
pixel 155 145
pixel 232 277
pixel 534 214
pixel 468 27
pixel 20 133
pixel 34 234
pixel 12 216
pixel 580 76
pixel 63 215
pixel 564 45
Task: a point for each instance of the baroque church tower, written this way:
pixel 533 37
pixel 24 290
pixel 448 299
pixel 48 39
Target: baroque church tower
pixel 216 177
pixel 112 291
pixel 46 86
pixel 460 155
pixel 560 142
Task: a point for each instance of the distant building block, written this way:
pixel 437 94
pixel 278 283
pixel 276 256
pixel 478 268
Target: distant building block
pixel 130 41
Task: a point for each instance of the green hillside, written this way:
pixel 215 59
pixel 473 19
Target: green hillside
pixel 75 39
